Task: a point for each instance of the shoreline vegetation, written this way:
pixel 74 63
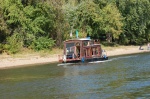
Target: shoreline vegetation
pixel 22 60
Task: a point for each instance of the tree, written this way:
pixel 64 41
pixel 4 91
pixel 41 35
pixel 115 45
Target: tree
pixel 111 22
pixel 136 14
pixel 29 22
pixel 3 27
pixel 82 17
pixel 60 27
pixel 90 18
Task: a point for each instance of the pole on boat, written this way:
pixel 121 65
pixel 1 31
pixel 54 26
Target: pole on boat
pixel 71 32
pixel 77 33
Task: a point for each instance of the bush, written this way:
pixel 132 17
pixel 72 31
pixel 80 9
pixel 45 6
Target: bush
pixel 1 48
pixel 14 44
pixel 42 43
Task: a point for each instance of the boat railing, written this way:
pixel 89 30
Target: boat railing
pixel 68 57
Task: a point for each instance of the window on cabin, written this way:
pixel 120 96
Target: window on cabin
pixel 73 49
pixel 69 48
pixel 97 51
pixel 85 43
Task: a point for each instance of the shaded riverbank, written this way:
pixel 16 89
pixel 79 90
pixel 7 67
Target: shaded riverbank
pixel 7 61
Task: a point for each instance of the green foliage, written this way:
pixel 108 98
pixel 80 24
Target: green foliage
pixel 124 39
pixel 39 19
pixel 42 43
pixel 3 26
pixel 126 21
pixel 82 17
pixel 111 20
pixel 60 26
pixel 14 44
pixel 90 18
pixel 31 22
pixel 136 14
pixel 88 14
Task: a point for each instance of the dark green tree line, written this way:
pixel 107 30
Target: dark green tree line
pixel 136 23
pixel 42 24
pixel 27 25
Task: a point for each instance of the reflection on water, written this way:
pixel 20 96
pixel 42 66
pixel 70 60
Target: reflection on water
pixel 120 77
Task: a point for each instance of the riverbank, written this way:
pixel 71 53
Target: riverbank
pixel 124 50
pixel 7 61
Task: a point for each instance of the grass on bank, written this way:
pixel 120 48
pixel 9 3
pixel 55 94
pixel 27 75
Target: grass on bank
pixel 31 53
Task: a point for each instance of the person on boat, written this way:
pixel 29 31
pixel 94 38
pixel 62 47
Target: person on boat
pixel 104 54
pixel 76 52
pixel 88 43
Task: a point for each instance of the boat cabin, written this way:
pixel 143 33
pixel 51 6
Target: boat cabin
pixel 83 49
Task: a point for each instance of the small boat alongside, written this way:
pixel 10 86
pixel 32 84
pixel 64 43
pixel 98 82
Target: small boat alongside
pixel 82 50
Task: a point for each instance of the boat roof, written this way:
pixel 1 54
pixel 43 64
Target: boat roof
pixel 79 39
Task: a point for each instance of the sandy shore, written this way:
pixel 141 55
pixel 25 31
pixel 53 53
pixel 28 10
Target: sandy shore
pixel 7 61
pixel 126 50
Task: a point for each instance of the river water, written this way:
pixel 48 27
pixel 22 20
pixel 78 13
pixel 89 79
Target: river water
pixel 126 77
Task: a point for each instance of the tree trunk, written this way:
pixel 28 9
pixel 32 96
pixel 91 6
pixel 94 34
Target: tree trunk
pixel 109 37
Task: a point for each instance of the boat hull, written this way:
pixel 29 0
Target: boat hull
pixel 86 60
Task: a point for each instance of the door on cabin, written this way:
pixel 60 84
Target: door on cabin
pixel 87 52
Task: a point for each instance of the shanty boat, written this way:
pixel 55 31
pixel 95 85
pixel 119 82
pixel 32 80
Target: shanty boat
pixel 82 50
